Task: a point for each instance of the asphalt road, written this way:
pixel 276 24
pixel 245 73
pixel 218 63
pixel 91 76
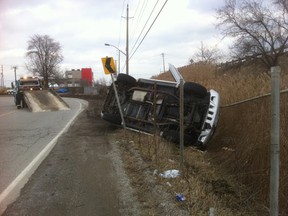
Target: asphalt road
pixel 24 135
pixel 82 175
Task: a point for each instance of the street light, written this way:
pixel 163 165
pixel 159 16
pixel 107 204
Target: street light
pixel 106 44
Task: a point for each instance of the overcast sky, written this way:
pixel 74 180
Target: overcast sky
pixel 83 27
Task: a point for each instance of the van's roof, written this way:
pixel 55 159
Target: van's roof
pixel 29 78
pixel 159 82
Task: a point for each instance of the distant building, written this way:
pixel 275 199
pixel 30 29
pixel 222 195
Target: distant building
pixel 78 78
pixel 87 76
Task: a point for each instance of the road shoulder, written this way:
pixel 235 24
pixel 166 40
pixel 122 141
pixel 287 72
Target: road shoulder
pixel 79 176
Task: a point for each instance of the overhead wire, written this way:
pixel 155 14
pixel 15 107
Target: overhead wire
pixel 144 25
pixel 123 7
pixel 120 30
pixel 148 29
pixel 144 5
pixel 142 10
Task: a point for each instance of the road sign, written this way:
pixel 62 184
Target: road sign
pixel 108 65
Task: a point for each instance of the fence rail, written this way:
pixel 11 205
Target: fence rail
pixel 251 99
pixel 246 59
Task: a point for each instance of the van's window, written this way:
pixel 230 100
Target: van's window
pixel 29 83
pixel 139 96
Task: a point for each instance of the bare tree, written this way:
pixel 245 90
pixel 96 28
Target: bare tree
pixel 57 78
pixel 259 27
pixel 101 85
pixel 44 56
pixel 206 55
pixel 282 4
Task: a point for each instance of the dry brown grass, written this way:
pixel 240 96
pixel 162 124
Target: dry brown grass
pixel 241 147
pixel 3 91
pixel 202 183
pixel 235 84
pixel 233 175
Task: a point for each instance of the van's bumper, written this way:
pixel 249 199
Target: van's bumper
pixel 211 119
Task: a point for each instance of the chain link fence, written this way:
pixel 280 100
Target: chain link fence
pixel 241 146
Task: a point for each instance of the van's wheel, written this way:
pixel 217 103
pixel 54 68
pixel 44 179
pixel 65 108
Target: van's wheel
pixel 115 119
pixel 174 136
pixel 195 89
pixel 201 146
pixel 126 79
pixel 22 104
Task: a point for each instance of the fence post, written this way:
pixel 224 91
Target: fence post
pixel 275 141
pixel 212 211
pixel 181 116
pixel 155 122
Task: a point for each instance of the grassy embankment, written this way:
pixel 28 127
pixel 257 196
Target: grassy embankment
pixel 233 174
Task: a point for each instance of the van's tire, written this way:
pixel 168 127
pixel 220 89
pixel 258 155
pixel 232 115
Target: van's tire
pixel 174 136
pixel 115 119
pixel 201 146
pixel 22 104
pixel 126 79
pixel 17 98
pixel 195 89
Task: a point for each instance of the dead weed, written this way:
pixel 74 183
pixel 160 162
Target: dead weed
pixel 203 185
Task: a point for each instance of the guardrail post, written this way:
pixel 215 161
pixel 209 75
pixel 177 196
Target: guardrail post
pixel 275 142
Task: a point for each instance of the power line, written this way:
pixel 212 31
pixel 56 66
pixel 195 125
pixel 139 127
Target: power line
pixel 149 29
pixel 121 20
pixel 127 40
pixel 144 5
pixel 145 25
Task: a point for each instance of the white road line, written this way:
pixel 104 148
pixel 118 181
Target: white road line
pixel 4 114
pixel 10 194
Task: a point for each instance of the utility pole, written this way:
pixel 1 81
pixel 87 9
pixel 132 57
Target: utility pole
pixel 15 68
pixel 2 78
pixel 163 62
pixel 127 40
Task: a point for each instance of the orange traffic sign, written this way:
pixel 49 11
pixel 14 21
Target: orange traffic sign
pixel 108 65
